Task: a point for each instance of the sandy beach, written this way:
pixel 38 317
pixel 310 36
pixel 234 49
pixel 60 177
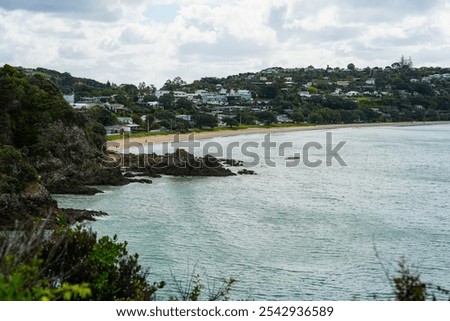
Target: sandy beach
pixel 119 144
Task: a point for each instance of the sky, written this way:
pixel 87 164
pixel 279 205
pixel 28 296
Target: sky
pixel 133 41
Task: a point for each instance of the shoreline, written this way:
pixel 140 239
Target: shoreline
pixel 120 144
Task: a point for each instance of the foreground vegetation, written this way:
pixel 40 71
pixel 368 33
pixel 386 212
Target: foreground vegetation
pixel 73 263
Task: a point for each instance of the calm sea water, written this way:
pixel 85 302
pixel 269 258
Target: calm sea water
pixel 297 233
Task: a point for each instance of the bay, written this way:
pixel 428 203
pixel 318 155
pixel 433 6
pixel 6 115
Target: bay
pixel 296 233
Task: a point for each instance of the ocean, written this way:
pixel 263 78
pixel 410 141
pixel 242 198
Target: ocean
pixel 299 229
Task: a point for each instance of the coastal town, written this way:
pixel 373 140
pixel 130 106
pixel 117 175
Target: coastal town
pixel 273 96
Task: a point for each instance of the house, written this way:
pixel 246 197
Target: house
pixel 115 107
pixel 228 109
pixel 184 117
pixel 81 106
pixel 343 83
pixel 201 92
pixel 304 94
pixel 95 100
pixel 176 94
pixel 69 98
pixel 152 104
pixel 283 119
pixel 214 99
pixel 370 82
pixel 241 94
pixel 125 120
pixel 352 93
pixel 117 129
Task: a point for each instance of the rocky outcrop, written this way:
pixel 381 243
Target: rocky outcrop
pixel 73 216
pixel 67 162
pixel 34 203
pixel 246 172
pixel 232 162
pixel 70 186
pixel 179 163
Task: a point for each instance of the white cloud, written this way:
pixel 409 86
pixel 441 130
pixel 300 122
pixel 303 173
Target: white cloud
pixel 123 41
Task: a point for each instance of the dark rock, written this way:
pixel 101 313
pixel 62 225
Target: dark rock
pixel 141 180
pixel 70 186
pixel 34 202
pixel 246 172
pixel 232 162
pixel 179 163
pixel 73 216
pixel 108 176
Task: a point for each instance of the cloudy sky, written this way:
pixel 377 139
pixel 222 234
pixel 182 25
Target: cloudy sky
pixel 129 41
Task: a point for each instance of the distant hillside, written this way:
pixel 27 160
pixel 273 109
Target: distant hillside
pixel 65 81
pixel 398 92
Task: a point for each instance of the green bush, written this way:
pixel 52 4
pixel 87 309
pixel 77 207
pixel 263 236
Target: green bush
pixel 70 264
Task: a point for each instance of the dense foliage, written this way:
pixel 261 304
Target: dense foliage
pixel 29 105
pixel 70 264
pixel 16 173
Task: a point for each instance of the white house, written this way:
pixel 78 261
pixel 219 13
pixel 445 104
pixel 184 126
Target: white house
pixel 184 117
pixel 370 82
pixel 304 94
pixel 70 98
pixel 343 83
pixel 283 119
pixel 176 94
pixel 115 107
pixel 241 94
pixel 125 120
pixel 352 93
pixel 214 99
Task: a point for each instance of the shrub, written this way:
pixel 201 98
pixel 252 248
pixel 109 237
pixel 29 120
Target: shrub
pixel 69 264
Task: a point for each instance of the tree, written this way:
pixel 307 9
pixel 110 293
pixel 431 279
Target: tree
pixel 176 84
pixel 315 118
pixel 167 100
pixel 298 117
pixel 268 91
pixel 230 121
pixel 184 104
pixel 405 62
pixel 246 118
pixel 267 117
pixel 205 120
pixel 100 115
pixel 164 115
pixel 351 66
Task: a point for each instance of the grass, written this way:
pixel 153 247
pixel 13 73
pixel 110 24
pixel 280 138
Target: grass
pixel 216 129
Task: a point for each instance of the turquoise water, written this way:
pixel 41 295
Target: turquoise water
pixel 297 233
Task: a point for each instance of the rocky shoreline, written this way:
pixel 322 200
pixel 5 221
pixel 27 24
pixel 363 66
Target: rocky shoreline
pixel 117 170
pixel 179 163
pixel 36 203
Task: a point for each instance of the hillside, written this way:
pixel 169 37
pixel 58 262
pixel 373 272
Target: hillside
pixel 45 146
pixel 399 92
